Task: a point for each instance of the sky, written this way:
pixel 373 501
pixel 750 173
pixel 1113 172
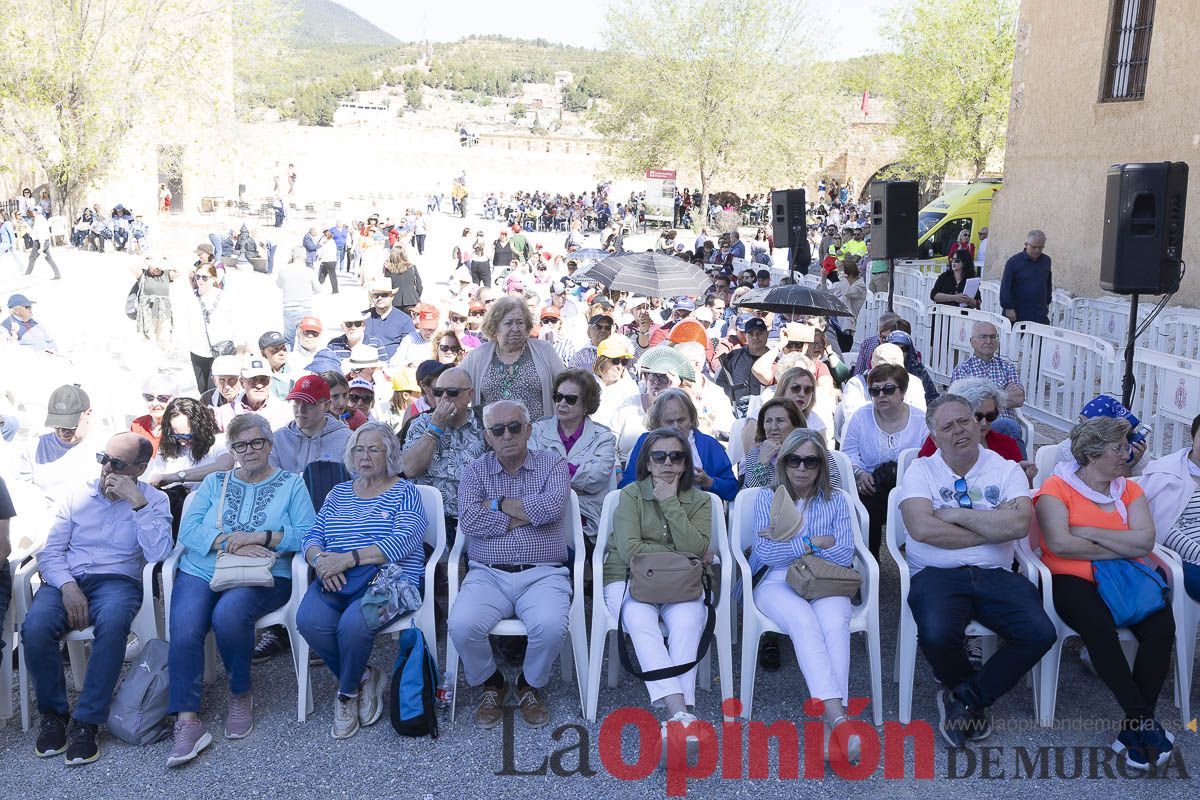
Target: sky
pixel 847 27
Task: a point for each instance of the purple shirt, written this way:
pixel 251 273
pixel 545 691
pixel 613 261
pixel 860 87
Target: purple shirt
pixel 542 483
pixel 568 443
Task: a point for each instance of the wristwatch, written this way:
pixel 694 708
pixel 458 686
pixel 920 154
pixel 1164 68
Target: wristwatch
pixel 181 474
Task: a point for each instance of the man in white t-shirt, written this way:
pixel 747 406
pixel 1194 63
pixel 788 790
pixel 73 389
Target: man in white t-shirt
pixel 963 508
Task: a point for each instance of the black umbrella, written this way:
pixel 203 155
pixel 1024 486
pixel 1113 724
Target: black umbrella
pixel 649 275
pixel 794 300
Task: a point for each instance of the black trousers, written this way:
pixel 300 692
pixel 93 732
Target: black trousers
pixel 328 268
pixel 1079 603
pixel 202 369
pixel 481 273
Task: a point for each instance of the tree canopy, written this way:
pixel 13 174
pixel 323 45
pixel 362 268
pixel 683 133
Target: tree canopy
pixel 951 81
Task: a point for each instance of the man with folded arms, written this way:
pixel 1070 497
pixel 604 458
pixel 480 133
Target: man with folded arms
pixel 512 504
pixel 964 507
pixel 91 568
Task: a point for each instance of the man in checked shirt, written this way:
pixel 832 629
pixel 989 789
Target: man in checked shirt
pixel 512 504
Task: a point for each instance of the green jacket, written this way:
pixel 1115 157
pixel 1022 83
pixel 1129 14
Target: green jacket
pixel 638 526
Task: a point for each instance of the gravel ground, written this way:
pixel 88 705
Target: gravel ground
pixel 283 757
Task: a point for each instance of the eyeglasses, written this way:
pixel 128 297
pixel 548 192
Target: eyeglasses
pixel 455 318
pixel 961 494
pixel 888 389
pixel 310 333
pixel 117 464
pixel 451 393
pixel 513 427
pixel 794 461
pixel 354 323
pixel 800 388
pixel 571 399
pixel 377 295
pixel 360 398
pixel 162 398
pixel 655 379
pixel 203 278
pixel 372 450
pixel 180 437
pixel 253 444
pixel 989 416
pixel 661 456
pixel 258 381
pixel 449 348
pixel 986 337
pixel 621 362
pixel 551 320
pixel 477 313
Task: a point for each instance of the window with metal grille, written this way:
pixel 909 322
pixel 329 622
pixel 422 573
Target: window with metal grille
pixel 1128 54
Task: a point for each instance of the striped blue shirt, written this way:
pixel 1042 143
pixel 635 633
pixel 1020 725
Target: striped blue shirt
pixel 394 522
pixel 821 518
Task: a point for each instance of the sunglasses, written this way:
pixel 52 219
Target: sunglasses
pixel 162 398
pixel 800 388
pixel 117 464
pixel 180 437
pixel 622 362
pixel 655 378
pixel 456 318
pixel 513 427
pixel 794 461
pixel 449 393
pixel 449 348
pixel 989 416
pixel 358 323
pixel 360 398
pixel 961 495
pixel 550 320
pixel 661 456
pixel 888 389
pixel 253 444
pixel 571 399
pixel 378 295
pixel 310 333
pixel 478 313
pixel 203 278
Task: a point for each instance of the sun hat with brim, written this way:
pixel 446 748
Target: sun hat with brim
pixel 887 353
pixel 666 361
pixel 405 380
pixel 309 389
pixel 362 356
pixel 67 404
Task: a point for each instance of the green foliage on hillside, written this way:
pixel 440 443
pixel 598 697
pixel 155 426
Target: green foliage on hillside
pixel 326 22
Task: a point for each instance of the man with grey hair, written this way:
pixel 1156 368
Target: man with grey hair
pixel 512 504
pixel 964 507
pixel 986 362
pixel 1027 284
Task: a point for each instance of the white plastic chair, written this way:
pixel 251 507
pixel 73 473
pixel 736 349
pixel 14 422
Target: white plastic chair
pixel 1045 459
pixel 11 637
pixel 603 623
pixel 144 626
pixel 1046 672
pixel 574 657
pixel 1187 617
pixel 423 617
pixel 864 618
pixel 906 639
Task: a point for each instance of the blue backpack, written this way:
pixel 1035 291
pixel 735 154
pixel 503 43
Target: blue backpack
pixel 414 682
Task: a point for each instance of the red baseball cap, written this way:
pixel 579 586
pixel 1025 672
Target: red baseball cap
pixel 309 389
pixel 550 312
pixel 310 324
pixel 477 306
pixel 426 312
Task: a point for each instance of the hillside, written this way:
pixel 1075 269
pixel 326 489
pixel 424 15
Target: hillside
pixel 326 22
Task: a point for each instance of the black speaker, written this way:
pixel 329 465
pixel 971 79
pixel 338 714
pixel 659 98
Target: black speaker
pixel 787 213
pixel 1143 227
pixel 894 206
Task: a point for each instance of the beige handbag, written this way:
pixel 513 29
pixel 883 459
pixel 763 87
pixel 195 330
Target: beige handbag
pixel 810 576
pixel 233 571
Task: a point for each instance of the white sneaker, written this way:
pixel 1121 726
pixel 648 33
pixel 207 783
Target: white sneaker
pixel 345 717
pixel 133 648
pixel 370 697
pixel 693 744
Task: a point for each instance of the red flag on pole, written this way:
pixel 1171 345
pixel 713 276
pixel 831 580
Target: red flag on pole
pixel 866 102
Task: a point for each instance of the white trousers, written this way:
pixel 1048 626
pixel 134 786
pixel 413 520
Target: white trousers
pixel 819 630
pixel 685 624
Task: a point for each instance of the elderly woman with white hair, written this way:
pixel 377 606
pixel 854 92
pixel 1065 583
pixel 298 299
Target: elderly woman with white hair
pixel 988 402
pixel 374 520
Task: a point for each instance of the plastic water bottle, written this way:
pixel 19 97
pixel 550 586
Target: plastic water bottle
pixel 444 697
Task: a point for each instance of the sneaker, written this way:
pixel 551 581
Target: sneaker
pixel 768 653
pixel 1129 744
pixel 81 744
pixel 190 737
pixel 1086 658
pixel 133 648
pixel 975 651
pixel 52 735
pixel 532 706
pixel 980 720
pixel 370 697
pixel 1158 743
pixel 239 716
pixel 490 711
pixel 692 743
pixel 953 722
pixel 271 642
pixel 345 716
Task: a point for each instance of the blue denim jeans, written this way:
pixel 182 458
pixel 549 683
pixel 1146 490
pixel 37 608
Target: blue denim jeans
pixel 291 321
pixel 1191 580
pixel 230 615
pixel 113 602
pixel 943 602
pixel 338 633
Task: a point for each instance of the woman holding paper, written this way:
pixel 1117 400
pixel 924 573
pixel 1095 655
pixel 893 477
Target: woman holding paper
pixel 957 286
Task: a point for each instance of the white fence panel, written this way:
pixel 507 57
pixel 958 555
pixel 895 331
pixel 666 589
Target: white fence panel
pixel 950 338
pixel 989 296
pixel 1167 398
pixel 934 265
pixel 917 313
pixel 1105 318
pixel 868 317
pixel 1177 332
pixel 1062 309
pixel 912 283
pixel 1061 370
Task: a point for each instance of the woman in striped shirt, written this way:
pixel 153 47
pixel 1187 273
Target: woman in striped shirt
pixel 373 520
pixel 1172 485
pixel 819 629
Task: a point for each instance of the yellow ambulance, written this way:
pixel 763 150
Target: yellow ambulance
pixel 967 207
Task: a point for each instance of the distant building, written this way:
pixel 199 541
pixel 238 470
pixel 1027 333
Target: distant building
pixel 563 78
pixel 1094 84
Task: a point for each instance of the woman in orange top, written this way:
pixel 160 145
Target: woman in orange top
pixel 1089 512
